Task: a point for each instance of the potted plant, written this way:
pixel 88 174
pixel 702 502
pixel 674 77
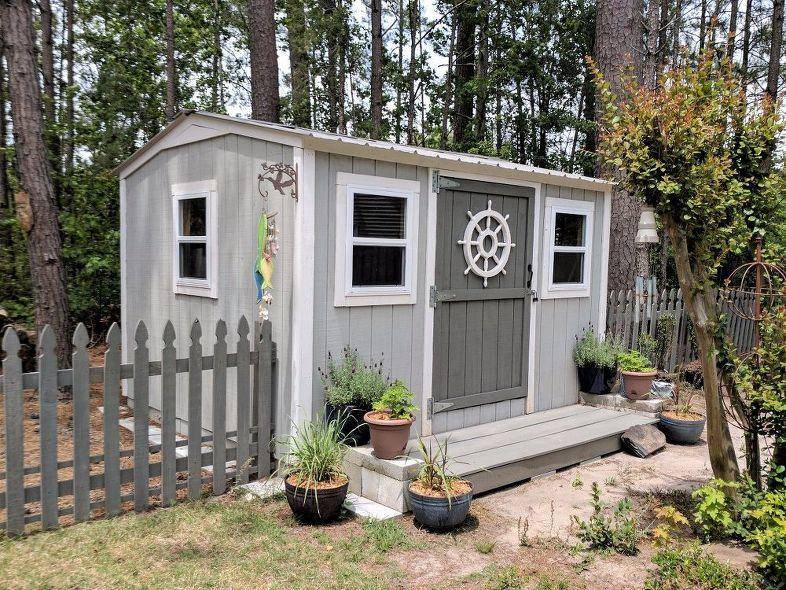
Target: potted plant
pixel 438 499
pixel 351 389
pixel 681 423
pixel 314 482
pixel 596 362
pixel 637 374
pixel 391 420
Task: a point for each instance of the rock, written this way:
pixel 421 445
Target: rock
pixel 643 440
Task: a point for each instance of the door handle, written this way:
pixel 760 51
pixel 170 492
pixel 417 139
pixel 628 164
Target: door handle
pixel 529 270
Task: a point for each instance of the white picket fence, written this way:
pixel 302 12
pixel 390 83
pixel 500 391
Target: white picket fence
pixel 101 481
pixel 631 314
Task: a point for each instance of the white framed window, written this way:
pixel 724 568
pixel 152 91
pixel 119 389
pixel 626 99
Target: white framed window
pixel 195 252
pixel 568 248
pixel 376 240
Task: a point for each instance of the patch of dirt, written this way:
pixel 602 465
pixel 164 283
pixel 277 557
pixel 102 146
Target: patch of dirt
pixel 457 488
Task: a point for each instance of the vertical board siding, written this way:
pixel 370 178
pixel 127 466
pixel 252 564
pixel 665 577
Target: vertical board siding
pixel 234 163
pixel 560 320
pixel 388 333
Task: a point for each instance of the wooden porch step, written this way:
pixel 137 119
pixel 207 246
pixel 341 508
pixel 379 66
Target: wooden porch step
pixel 500 453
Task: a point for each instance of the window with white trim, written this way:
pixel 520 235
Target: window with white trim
pixel 376 240
pixel 568 248
pixel 194 254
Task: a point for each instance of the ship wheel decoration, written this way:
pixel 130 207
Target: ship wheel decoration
pixel 487 243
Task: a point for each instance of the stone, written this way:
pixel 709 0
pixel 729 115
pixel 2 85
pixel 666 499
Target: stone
pixel 365 508
pixel 649 407
pixel 643 440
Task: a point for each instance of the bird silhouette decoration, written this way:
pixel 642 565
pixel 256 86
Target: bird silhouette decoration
pixel 281 176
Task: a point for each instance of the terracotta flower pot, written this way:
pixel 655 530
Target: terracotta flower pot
pixel 638 385
pixel 389 438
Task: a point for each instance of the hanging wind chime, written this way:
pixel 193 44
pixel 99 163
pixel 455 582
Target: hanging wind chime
pixel 280 176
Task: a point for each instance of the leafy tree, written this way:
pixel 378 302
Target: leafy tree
pixel 694 149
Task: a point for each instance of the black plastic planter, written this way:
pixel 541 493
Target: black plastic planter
pixel 598 381
pixel 355 430
pixel 438 513
pixel 683 432
pixel 316 506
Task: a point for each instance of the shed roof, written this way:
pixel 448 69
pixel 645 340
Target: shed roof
pixel 190 126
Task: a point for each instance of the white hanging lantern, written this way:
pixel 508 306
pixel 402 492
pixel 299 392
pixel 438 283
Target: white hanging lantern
pixel 648 228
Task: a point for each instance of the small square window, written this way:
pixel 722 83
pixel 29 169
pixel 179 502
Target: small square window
pixel 193 261
pixel 376 240
pixel 568 249
pixel 569 229
pixel 193 217
pixel 568 267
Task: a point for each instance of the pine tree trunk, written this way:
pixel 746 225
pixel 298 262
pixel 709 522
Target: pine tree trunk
pixel 776 41
pixel 701 309
pixel 732 38
pixel 43 232
pixel 746 44
pixel 343 54
pixel 171 82
pixel 217 74
pixel 448 91
pixel 5 190
pixel 465 15
pixel 703 26
pixel 482 77
pixel 68 148
pixel 414 29
pixel 400 84
pixel 264 60
pixel 330 77
pixel 376 69
pixel 619 45
pixel 51 137
pixel 299 63
pixel 651 57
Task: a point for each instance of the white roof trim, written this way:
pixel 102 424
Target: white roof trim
pixel 191 126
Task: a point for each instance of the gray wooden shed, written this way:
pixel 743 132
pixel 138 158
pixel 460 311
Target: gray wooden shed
pixel 470 276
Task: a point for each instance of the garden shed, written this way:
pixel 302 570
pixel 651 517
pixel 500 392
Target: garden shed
pixel 468 276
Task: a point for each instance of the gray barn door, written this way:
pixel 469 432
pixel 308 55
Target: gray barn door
pixel 481 332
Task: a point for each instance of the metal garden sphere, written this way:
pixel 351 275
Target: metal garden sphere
pixel 758 282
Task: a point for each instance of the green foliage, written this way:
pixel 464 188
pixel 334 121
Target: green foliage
pixel 617 531
pixel 767 534
pixel 665 327
pixel 716 515
pixel 635 362
pixel 694 148
pixel 688 567
pixel 435 472
pixel 398 401
pixel 648 347
pixel 485 546
pixel 386 535
pixel 590 351
pixel 506 578
pixel 350 381
pixel 314 452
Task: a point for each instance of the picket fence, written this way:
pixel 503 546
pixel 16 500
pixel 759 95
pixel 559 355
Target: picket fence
pixel 631 314
pixel 233 456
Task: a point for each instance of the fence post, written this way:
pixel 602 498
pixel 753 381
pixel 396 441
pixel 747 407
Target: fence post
pixel 195 413
pixel 47 395
pixel 264 398
pixel 219 408
pixel 141 418
pixel 111 425
pixel 80 366
pixel 243 401
pixel 14 434
pixel 168 410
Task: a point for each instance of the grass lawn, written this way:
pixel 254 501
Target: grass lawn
pixel 222 543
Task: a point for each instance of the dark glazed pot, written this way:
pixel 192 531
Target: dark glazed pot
pixel 317 506
pixel 438 513
pixel 388 437
pixel 596 380
pixel 683 432
pixel 355 430
pixel 637 385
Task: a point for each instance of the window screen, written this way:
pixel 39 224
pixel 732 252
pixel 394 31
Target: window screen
pixel 379 226
pixel 569 229
pixel 192 238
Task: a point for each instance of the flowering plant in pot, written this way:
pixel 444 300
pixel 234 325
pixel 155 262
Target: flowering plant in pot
pixel 596 362
pixel 314 481
pixel 352 387
pixel 438 498
pixel 637 374
pixel 681 423
pixel 390 421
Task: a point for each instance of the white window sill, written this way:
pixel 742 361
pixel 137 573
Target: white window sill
pixel 565 294
pixel 360 299
pixel 195 290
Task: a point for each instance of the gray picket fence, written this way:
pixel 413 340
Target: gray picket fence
pixel 232 456
pixel 631 314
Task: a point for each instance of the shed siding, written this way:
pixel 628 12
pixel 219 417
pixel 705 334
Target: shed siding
pixel 560 320
pixel 391 333
pixel 234 162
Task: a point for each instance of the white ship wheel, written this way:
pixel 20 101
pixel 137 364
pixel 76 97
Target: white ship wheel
pixel 485 250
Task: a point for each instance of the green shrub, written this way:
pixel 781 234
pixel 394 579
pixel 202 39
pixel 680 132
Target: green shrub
pixel 616 532
pixel 665 327
pixel 767 535
pixel 648 348
pixel 314 452
pixel 398 401
pixel 350 381
pixel 688 567
pixel 635 362
pixel 590 351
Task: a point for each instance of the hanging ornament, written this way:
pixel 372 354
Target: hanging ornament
pixel 267 245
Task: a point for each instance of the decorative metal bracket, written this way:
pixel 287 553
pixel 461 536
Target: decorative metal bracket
pixel 281 176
